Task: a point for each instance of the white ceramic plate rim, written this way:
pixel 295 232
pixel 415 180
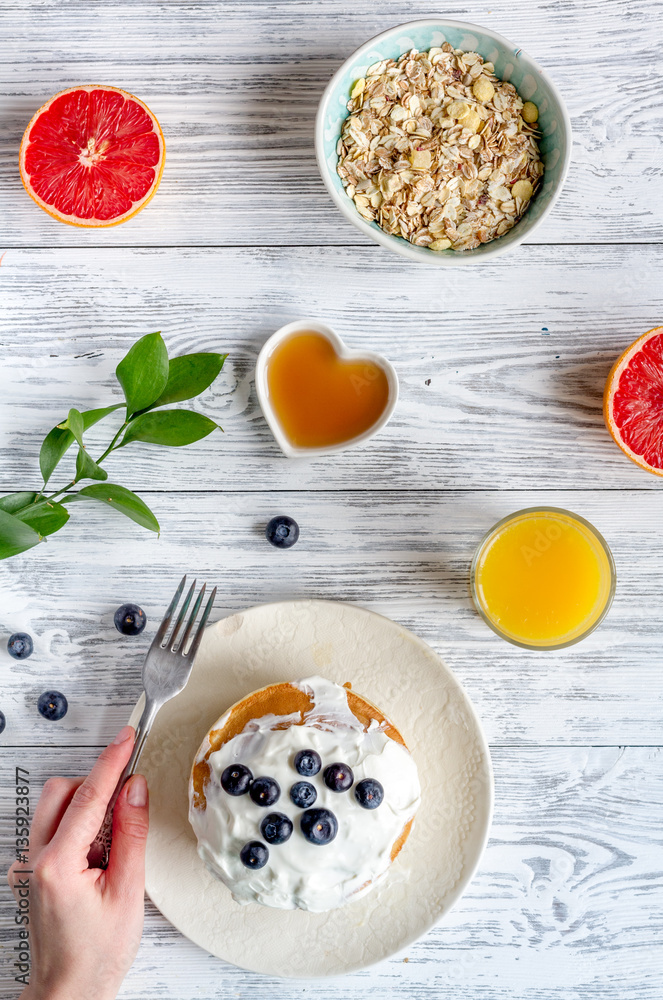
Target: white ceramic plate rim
pixel 402 246
pixel 346 354
pixel 469 870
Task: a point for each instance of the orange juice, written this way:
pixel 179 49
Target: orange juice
pixel 543 578
pixel 319 398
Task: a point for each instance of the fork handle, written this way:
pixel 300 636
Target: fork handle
pixel 99 853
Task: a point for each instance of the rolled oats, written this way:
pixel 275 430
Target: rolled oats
pixel 438 150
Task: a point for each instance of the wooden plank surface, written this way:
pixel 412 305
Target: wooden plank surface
pixel 235 86
pixel 406 555
pixel 502 368
pixel 565 904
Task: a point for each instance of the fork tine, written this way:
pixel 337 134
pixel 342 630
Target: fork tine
pixel 180 617
pixel 163 628
pixel 201 627
pixel 192 618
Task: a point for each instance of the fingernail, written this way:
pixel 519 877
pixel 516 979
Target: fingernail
pixel 137 794
pixel 124 734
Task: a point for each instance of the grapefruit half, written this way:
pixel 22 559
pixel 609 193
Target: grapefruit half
pixel 633 401
pixel 92 156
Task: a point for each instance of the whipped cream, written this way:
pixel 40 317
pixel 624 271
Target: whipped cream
pixel 300 874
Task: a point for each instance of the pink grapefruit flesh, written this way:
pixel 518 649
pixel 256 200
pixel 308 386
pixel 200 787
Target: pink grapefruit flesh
pixel 92 156
pixel 633 401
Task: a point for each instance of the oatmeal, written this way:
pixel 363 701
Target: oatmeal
pixel 438 150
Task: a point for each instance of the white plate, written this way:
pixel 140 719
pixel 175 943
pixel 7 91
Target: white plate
pixel 408 681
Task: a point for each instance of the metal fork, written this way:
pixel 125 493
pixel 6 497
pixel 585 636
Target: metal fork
pixel 165 672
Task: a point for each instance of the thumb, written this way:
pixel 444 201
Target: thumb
pixel 126 867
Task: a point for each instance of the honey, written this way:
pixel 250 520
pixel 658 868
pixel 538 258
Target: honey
pixel 319 398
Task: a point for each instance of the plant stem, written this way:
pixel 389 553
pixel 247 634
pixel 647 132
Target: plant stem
pixel 112 444
pixel 109 449
pixel 59 492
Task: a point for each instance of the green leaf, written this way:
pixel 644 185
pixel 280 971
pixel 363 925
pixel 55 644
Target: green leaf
pixel 74 423
pixel 121 499
pixel 188 376
pixel 45 517
pixel 53 448
pixel 169 427
pixel 143 373
pixel 14 502
pixel 87 468
pixel 15 536
pixel 91 417
pixel 57 442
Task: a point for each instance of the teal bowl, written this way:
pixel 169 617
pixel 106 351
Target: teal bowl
pixel 511 64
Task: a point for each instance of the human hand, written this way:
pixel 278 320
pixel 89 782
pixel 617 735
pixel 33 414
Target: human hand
pixel 85 923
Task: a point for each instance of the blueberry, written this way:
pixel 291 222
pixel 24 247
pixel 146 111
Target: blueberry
pixel 236 779
pixel 20 645
pixel 264 791
pixel 338 777
pixel 276 828
pixel 320 826
pixel 3 722
pixel 130 619
pixel 307 763
pixel 282 531
pixel 369 793
pixel 254 855
pixel 303 794
pixel 52 705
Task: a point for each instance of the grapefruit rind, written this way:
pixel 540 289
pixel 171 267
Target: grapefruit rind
pixel 611 386
pixel 73 220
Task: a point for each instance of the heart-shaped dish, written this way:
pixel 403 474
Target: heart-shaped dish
pixel 342 354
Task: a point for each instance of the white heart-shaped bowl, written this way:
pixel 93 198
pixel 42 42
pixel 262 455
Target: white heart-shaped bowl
pixel 262 387
pixel 511 64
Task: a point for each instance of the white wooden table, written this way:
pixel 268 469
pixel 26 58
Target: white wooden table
pixel 502 369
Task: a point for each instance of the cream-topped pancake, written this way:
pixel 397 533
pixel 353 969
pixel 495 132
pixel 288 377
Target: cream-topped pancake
pixel 302 795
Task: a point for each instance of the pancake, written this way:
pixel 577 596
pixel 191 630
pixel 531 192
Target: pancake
pixel 260 738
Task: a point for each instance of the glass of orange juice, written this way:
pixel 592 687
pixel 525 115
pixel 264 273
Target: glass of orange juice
pixel 543 578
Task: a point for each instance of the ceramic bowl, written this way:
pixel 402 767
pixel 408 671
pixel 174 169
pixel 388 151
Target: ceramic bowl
pixel 511 64
pixel 287 447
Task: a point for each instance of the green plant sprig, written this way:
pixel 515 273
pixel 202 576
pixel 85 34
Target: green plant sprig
pixel 149 380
